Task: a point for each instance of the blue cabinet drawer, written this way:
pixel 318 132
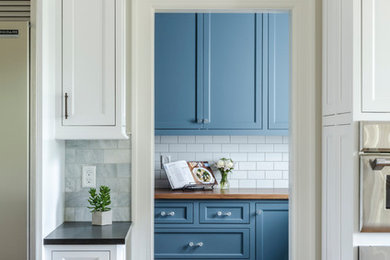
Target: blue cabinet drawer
pixel 174 213
pixel 224 213
pixel 201 243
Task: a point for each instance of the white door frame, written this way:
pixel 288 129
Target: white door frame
pixel 305 156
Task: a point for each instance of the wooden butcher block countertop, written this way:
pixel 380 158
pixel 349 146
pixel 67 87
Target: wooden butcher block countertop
pixel 233 194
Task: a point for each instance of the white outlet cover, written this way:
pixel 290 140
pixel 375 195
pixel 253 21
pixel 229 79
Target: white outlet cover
pixel 89 177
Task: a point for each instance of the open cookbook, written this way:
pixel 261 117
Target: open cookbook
pixel 182 174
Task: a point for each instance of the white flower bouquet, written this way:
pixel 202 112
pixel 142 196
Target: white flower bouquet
pixel 225 166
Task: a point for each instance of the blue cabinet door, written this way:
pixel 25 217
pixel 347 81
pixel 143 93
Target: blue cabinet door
pixel 175 71
pixel 277 67
pixel 232 71
pixel 272 231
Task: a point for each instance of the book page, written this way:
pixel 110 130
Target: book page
pixel 178 174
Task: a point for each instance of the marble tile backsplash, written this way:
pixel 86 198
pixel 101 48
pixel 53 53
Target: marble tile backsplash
pixel 260 161
pixel 112 161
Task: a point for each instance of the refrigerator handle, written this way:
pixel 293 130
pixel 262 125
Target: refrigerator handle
pixel 66 105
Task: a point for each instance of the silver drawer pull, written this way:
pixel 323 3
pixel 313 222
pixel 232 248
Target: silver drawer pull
pixel 163 213
pixel 220 213
pixel 192 244
pixel 259 212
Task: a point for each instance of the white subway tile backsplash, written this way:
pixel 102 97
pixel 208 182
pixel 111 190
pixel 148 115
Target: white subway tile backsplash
pixel 247 183
pixel 117 156
pixel 281 183
pixel 167 139
pixel 212 148
pixel 224 139
pixel 281 166
pixel 161 148
pixel 265 184
pixel 239 157
pixel 260 161
pixel 186 139
pixel 256 139
pixel 256 157
pixel 230 148
pixel 195 148
pixel 285 139
pixel 249 148
pixel 263 166
pixel 204 139
pixel 247 166
pixel 185 156
pixel 274 139
pixel 203 156
pixel 265 147
pixel 281 148
pixel 256 175
pixel 272 175
pixel 177 148
pixel 239 139
pixel 273 157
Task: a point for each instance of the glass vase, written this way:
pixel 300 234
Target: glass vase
pixel 224 184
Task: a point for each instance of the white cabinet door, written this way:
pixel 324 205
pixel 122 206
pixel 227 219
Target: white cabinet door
pixel 375 56
pixel 339 191
pixel 88 62
pixel 337 57
pixel 80 255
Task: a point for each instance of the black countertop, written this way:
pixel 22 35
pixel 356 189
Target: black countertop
pixel 84 233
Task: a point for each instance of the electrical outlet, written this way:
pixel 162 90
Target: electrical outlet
pixel 89 177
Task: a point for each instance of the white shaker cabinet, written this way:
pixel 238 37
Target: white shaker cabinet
pixel 86 255
pixel 372 55
pixel 85 252
pixel 91 78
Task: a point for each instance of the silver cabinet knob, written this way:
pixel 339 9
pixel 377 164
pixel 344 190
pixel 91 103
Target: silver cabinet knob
pixel 220 213
pixel 206 121
pixel 200 121
pixel 163 213
pixel 259 212
pixel 192 244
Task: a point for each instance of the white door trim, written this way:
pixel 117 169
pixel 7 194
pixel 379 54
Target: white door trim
pixel 305 159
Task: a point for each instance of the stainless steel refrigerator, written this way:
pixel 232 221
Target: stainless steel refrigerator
pixel 14 140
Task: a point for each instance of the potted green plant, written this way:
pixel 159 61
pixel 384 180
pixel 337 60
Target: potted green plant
pixel 101 213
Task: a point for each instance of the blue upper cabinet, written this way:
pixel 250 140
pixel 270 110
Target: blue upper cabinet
pixel 232 73
pixel 278 85
pixel 175 71
pixel 222 74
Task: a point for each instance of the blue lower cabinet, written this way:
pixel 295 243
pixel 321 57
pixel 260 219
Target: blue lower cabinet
pixel 175 213
pixel 202 243
pixel 221 229
pixel 272 231
pixel 224 213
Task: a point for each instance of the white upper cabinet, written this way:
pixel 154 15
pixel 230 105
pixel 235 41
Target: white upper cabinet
pixel 91 78
pixel 337 58
pixel 372 56
pixel 375 56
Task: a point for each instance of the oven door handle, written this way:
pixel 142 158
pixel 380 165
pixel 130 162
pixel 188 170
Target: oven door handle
pixel 379 163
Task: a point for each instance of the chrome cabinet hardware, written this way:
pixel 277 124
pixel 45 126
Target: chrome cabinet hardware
pixel 66 105
pixel 192 244
pixel 200 121
pixel 259 212
pixel 220 213
pixel 206 121
pixel 163 213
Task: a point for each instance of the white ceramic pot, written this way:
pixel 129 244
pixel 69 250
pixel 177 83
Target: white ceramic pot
pixel 102 218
